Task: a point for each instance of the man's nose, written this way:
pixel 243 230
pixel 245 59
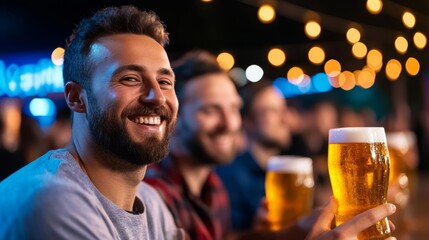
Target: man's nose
pixel 152 93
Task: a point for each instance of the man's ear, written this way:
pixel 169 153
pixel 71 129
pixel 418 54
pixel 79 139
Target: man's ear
pixel 75 97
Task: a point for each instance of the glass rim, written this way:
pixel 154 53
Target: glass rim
pixel 290 163
pixel 357 135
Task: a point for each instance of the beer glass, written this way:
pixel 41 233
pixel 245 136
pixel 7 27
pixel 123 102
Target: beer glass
pixel 359 165
pixel 289 189
pixel 400 146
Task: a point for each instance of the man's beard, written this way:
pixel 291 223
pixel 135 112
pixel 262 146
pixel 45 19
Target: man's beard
pixel 202 153
pixel 272 143
pixel 111 136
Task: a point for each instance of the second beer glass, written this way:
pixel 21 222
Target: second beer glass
pixel 359 164
pixel 289 189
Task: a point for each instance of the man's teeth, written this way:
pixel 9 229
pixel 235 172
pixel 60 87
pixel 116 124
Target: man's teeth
pixel 154 120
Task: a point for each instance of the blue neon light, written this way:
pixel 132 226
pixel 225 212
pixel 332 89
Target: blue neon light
pixel 30 79
pixel 42 107
pixel 318 83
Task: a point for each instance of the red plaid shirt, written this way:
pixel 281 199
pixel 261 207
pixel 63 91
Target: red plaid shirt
pixel 203 218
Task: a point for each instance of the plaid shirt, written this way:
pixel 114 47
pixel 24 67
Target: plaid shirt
pixel 203 218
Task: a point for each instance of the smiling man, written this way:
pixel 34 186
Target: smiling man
pixel 120 88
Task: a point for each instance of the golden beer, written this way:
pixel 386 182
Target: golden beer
pixel 402 150
pixel 289 189
pixel 359 165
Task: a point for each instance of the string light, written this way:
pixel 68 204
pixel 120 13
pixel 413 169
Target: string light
pixel 266 13
pixel 225 60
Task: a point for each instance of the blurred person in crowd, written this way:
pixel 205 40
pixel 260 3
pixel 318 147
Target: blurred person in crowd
pixel 32 140
pixel 323 116
pixel 10 161
pixel 205 136
pixel 58 134
pixel 265 121
pixel 120 87
pixel 349 117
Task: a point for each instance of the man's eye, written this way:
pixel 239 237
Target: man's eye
pixel 164 83
pixel 130 79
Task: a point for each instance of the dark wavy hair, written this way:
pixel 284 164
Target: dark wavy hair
pixel 108 21
pixel 193 64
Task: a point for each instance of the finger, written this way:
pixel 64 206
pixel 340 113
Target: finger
pixel 366 219
pixel 323 223
pixel 392 226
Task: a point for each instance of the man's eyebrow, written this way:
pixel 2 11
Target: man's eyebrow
pixel 141 69
pixel 166 71
pixel 132 67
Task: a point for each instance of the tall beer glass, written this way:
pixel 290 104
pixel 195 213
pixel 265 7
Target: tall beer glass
pixel 359 165
pixel 401 146
pixel 289 189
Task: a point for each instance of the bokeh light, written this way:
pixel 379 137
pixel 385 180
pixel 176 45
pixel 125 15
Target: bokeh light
pixel 238 75
pixel 401 44
pixel 276 57
pixel 374 59
pixel 420 40
pixel 321 82
pixel 353 35
pixel 225 60
pixel 374 6
pixel 412 66
pixel 332 68
pixel 359 50
pixel 316 55
pixel 254 73
pixel 408 19
pixel 365 78
pixel 393 69
pixel 312 29
pixel 347 80
pixel 57 56
pixel 295 75
pixel 266 13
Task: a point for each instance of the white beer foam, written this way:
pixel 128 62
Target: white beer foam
pixel 357 135
pixel 290 164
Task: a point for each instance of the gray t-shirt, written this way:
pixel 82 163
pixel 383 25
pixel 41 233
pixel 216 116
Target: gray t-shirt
pixel 51 198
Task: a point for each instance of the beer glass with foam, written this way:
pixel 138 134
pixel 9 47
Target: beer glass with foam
pixel 289 189
pixel 402 151
pixel 359 165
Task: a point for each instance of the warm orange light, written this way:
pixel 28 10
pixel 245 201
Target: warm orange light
pixel 420 40
pixel 225 60
pixel 393 69
pixel 266 13
pixel 347 80
pixel 316 55
pixel 295 75
pixel 353 35
pixel 57 56
pixel 374 6
pixel 408 19
pixel 359 50
pixel 374 59
pixel 401 45
pixel 312 29
pixel 332 68
pixel 412 66
pixel 276 57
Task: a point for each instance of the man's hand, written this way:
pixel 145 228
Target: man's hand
pixel 349 230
